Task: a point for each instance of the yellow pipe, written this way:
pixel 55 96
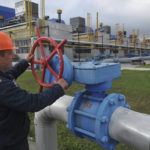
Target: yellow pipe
pixel 97 28
pixel 123 34
pixel 30 18
pixel 26 12
pixel 43 15
pixel 29 12
pixel 144 39
pixel 20 37
pixel 133 36
pixel 29 15
pixel 117 33
pixel 106 47
pixel 27 21
pixel 27 37
pixel 20 33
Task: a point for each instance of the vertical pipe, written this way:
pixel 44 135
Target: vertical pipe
pixel 97 27
pixel 123 34
pixel 45 123
pixel 46 135
pixel 78 44
pixel 117 33
pixel 29 14
pixel 43 15
pixel 88 23
pixel 30 18
pixel 26 13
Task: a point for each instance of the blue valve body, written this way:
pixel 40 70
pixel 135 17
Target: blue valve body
pixel 91 109
pixel 90 113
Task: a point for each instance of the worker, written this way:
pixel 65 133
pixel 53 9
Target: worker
pixel 16 102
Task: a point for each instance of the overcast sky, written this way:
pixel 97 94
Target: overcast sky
pixel 134 14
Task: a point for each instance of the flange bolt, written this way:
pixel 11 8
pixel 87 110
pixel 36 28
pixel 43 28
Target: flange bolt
pixel 104 139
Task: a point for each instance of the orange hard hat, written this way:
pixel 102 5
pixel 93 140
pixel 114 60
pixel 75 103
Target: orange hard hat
pixel 5 42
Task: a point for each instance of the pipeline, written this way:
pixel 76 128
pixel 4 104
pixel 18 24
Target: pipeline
pixel 131 128
pixel 45 123
pixel 126 126
pixel 127 60
pixel 93 113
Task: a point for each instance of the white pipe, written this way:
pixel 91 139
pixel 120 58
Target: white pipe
pixel 45 123
pixel 126 126
pixel 131 128
pixel 126 60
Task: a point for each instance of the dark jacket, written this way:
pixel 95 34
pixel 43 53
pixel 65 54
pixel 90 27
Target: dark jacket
pixel 15 103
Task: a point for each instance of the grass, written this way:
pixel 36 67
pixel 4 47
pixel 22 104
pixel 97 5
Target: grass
pixel 134 85
pixel 143 66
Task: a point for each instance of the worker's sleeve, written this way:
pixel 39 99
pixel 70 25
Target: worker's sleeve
pixel 18 69
pixel 17 99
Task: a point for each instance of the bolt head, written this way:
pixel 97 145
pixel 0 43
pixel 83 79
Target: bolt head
pixel 127 106
pixel 121 97
pixel 104 119
pixel 112 102
pixel 104 139
pixel 112 147
pixel 68 109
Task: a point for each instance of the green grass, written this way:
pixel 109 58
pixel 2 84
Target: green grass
pixel 143 66
pixel 135 85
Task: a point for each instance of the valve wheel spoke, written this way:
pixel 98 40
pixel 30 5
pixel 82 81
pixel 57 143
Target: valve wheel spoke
pixel 43 74
pixel 51 55
pixel 40 43
pixel 42 79
pixel 44 61
pixel 37 62
pixel 42 50
pixel 52 71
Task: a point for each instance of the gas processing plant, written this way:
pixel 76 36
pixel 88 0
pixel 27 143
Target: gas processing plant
pixel 67 51
pixel 83 41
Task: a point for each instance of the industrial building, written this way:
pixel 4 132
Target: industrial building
pixel 21 26
pixel 83 41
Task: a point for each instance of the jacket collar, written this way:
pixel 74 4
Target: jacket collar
pixel 4 74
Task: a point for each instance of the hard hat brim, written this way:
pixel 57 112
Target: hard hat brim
pixel 15 48
pixel 11 48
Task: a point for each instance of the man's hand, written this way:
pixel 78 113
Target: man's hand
pixel 62 83
pixel 29 58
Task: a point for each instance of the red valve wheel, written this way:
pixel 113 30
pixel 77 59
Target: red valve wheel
pixel 44 62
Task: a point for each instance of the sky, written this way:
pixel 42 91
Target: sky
pixel 133 14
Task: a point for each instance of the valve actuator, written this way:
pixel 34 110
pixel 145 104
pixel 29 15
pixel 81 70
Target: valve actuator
pixel 91 109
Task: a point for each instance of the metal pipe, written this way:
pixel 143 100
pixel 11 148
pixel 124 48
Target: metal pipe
pixel 45 123
pixel 126 60
pixel 42 2
pixel 97 27
pixel 126 126
pixel 131 128
pixel 30 16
